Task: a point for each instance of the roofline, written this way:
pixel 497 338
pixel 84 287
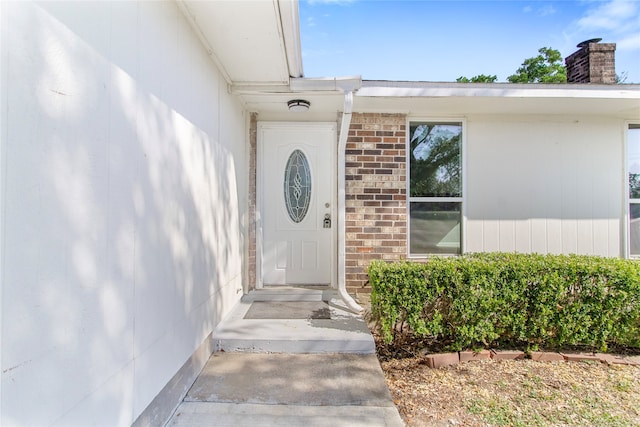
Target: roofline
pixel 388 88
pixel 289 16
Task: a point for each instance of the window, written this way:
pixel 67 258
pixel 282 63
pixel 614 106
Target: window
pixel 297 186
pixel 633 163
pixel 435 187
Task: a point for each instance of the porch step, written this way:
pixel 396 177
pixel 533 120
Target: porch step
pixel 343 332
pixel 290 294
pixel 233 415
pixel 302 390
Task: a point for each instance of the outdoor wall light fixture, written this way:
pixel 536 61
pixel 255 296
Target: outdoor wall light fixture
pixel 298 105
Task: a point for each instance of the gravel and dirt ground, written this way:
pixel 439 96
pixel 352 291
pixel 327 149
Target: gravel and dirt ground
pixel 514 393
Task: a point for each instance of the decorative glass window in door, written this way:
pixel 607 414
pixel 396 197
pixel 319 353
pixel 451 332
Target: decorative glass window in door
pixel 297 186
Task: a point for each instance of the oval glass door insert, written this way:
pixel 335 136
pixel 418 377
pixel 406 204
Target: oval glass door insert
pixel 297 186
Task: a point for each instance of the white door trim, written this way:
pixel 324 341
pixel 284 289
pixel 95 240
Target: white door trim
pixel 260 208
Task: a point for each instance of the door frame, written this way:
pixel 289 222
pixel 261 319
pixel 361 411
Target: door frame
pixel 320 126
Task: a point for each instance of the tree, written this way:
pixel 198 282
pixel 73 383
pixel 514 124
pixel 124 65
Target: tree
pixel 547 67
pixel 622 77
pixel 435 166
pixel 481 78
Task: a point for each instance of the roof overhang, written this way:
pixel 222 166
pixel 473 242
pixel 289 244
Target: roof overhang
pixel 251 42
pixel 415 98
pixel 456 99
pixel 256 45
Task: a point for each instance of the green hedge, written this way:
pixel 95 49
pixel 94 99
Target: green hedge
pixel 532 301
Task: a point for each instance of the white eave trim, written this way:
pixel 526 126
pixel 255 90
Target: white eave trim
pixel 372 88
pixel 252 88
pixel 193 23
pixel 338 84
pixel 297 85
pixel 289 22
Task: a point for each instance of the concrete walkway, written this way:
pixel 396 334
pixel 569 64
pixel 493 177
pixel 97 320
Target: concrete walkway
pixel 302 359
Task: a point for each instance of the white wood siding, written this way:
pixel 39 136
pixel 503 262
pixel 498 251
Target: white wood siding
pixel 123 194
pixel 544 185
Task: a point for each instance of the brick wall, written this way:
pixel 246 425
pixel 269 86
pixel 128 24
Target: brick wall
pixel 593 63
pixel 376 209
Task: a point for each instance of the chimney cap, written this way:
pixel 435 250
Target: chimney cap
pixel 588 42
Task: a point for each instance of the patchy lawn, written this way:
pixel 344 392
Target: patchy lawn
pixel 514 393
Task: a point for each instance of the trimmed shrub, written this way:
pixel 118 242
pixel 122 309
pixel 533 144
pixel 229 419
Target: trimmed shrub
pixel 497 299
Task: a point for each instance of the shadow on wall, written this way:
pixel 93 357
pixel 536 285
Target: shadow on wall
pixel 122 209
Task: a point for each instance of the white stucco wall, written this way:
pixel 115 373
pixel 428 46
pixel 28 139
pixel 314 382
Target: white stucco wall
pixel 545 184
pixel 123 199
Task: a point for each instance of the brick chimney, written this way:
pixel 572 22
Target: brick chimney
pixel 594 62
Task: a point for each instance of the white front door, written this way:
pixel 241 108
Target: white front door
pixel 296 182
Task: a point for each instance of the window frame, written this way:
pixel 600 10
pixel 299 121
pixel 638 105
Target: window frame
pixel 462 199
pixel 628 201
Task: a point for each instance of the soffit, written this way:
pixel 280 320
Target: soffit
pixel 247 39
pixel 454 99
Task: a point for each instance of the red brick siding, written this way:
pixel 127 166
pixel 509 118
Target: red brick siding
pixel 375 180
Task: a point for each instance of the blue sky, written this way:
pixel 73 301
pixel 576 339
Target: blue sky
pixel 428 40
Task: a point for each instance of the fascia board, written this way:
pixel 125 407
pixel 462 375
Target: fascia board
pixel 506 90
pixel 289 21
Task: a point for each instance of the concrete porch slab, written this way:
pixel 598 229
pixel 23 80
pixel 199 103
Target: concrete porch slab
pixel 343 332
pixel 247 389
pixel 292 379
pixel 288 310
pixel 294 372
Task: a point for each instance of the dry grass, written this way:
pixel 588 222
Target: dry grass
pixel 515 393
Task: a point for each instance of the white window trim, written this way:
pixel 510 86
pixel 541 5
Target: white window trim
pixel 628 200
pixel 461 200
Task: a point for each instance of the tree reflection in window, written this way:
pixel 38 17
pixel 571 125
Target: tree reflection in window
pixel 634 185
pixel 435 161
